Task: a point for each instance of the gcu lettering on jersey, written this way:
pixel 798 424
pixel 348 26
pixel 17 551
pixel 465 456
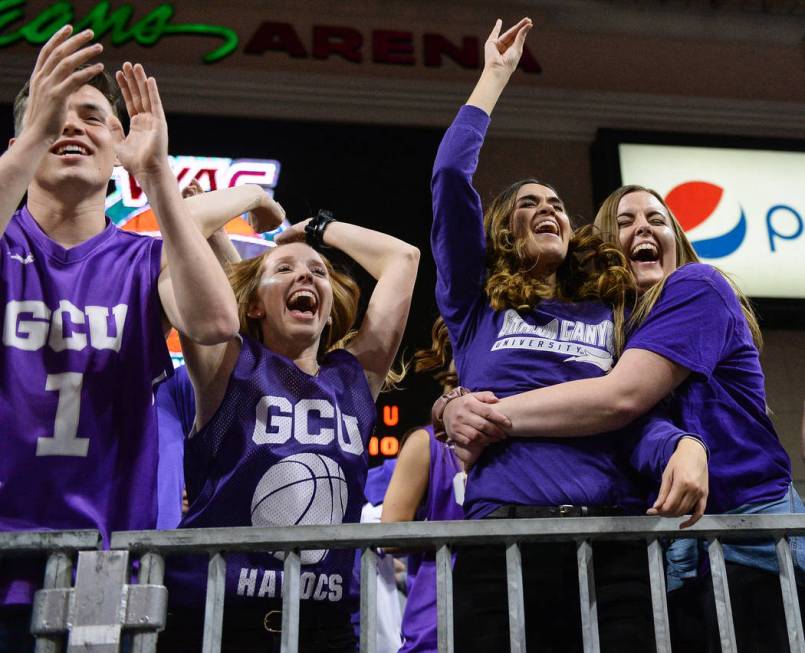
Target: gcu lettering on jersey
pixel 277 420
pixel 30 325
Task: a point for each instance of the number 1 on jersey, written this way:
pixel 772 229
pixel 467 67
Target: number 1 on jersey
pixel 65 440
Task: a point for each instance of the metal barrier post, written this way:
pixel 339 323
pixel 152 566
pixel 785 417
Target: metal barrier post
pixel 721 593
pixel 368 601
pixel 659 601
pixel 214 608
pixel 290 602
pixel 514 583
pixel 589 609
pixel 788 585
pixel 152 572
pixel 444 598
pixel 58 575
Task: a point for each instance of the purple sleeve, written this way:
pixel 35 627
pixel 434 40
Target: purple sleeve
pixel 656 438
pixel 692 321
pixel 457 236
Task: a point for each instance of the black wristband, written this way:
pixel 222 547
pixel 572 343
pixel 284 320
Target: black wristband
pixel 314 230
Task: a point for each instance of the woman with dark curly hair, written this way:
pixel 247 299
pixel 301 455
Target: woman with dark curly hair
pixel 529 303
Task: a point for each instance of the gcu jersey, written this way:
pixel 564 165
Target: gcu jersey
pixel 82 345
pixel 284 448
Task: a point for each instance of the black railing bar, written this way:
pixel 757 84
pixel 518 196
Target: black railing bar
pixel 470 532
pixel 721 594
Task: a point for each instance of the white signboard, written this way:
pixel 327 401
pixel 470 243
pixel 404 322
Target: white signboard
pixel 743 210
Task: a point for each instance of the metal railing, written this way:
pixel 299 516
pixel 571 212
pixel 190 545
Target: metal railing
pixel 585 531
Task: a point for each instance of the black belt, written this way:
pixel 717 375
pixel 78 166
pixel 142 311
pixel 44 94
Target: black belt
pixel 565 510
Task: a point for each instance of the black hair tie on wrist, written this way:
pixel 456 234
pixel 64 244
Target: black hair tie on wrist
pixel 314 230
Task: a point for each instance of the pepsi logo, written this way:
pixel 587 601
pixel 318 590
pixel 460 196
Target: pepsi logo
pixel 693 203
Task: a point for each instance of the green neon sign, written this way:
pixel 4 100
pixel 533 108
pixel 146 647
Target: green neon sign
pixel 147 31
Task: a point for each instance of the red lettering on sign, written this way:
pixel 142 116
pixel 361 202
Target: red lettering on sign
pixel 276 37
pixel 343 41
pixel 393 47
pixel 465 55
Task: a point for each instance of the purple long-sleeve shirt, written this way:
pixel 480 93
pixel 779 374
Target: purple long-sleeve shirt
pixel 509 352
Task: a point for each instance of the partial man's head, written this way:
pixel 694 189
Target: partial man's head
pixel 85 150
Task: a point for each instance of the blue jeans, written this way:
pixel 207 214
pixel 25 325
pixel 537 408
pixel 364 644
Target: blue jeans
pixel 683 556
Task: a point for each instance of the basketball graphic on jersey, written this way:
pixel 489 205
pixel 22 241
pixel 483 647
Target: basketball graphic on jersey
pixel 303 489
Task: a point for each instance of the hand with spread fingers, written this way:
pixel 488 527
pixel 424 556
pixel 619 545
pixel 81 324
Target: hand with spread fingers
pixel 145 149
pixel 472 420
pixel 685 484
pixel 57 74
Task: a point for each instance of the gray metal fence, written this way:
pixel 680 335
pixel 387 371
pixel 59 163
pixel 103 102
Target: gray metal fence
pixel 102 604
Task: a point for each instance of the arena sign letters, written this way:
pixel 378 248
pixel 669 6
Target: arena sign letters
pixel 393 46
pixel 743 209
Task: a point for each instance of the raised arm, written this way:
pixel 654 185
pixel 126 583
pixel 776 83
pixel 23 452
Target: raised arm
pixel 198 301
pixel 55 77
pixel 393 264
pixel 457 235
pixel 501 55
pixel 214 209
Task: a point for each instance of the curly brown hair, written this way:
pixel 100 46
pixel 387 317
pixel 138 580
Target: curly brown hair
pixel 593 269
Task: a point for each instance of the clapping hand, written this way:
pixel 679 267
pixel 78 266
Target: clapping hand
pixel 145 148
pixel 55 77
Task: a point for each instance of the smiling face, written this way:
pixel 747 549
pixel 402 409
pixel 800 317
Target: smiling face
pixel 646 235
pixel 541 226
pixel 294 297
pixel 83 157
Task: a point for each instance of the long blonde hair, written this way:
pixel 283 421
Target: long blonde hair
pixel 244 277
pixel 606 220
pixel 592 270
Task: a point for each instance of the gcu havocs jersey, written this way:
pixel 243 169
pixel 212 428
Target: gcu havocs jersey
pixel 285 448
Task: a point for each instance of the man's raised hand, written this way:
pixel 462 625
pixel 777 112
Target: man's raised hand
pixel 55 77
pixel 145 148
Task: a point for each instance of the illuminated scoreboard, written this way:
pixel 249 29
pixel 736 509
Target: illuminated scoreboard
pixel 385 443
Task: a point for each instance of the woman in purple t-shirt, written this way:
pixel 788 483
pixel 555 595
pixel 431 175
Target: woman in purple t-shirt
pixel 528 303
pixel 693 334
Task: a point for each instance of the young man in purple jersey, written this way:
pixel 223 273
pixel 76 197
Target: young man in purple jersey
pixel 85 305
